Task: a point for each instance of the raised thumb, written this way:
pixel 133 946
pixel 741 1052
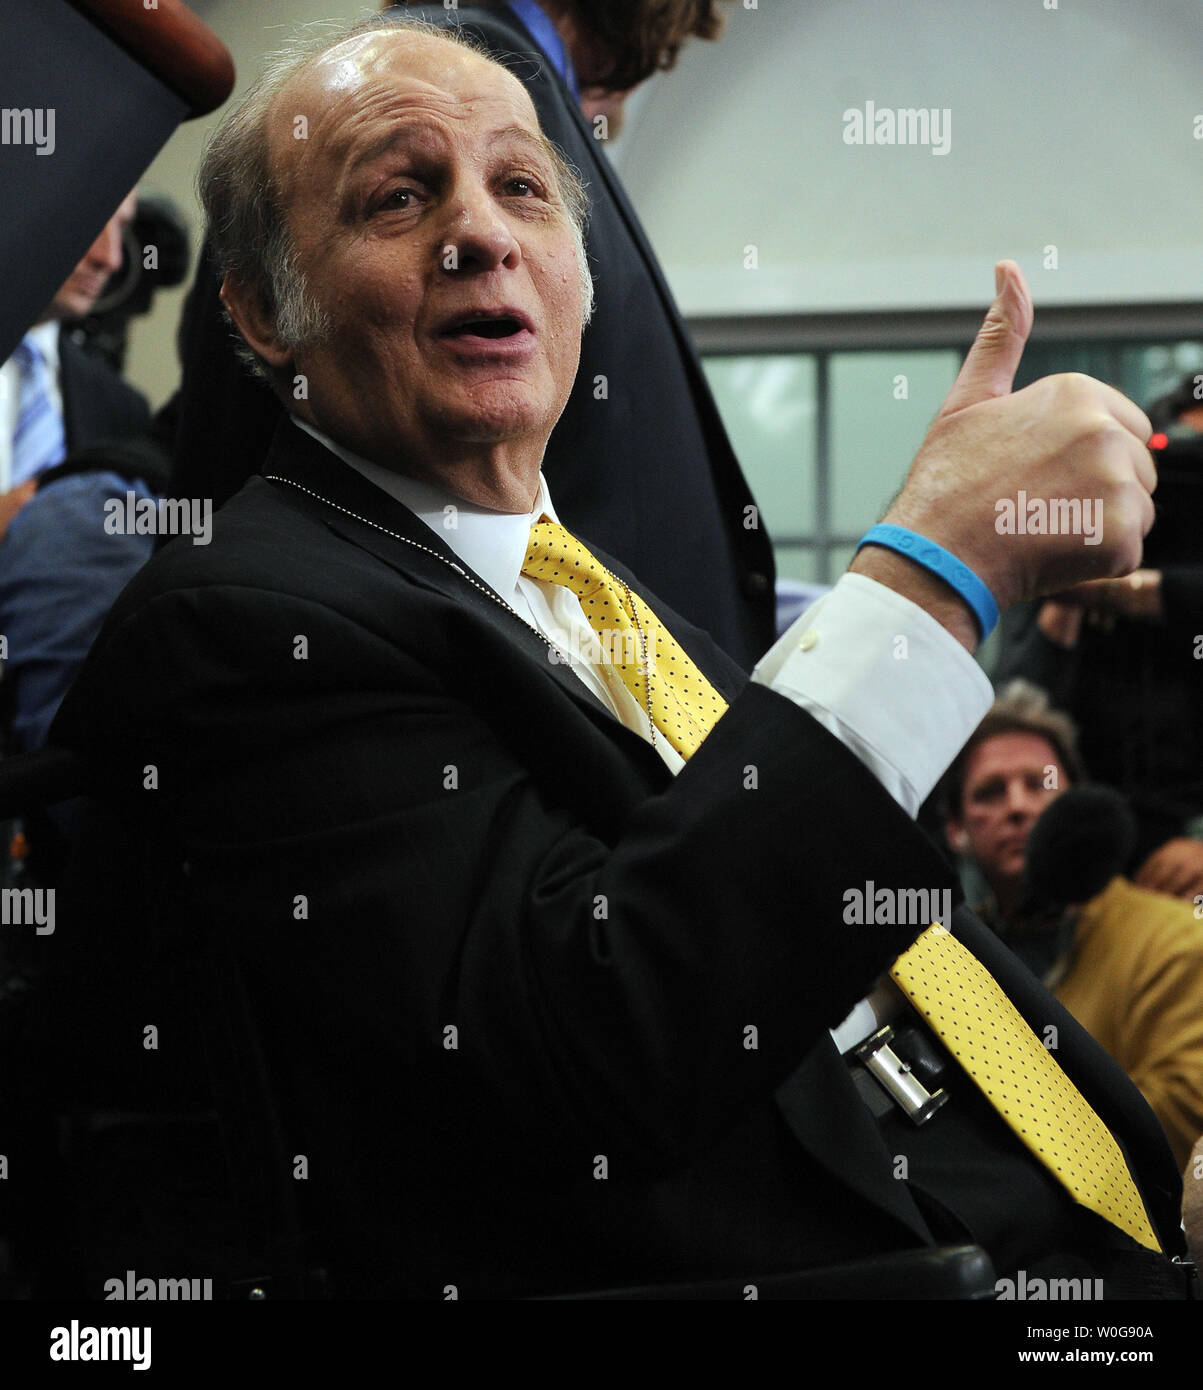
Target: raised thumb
pixel 990 367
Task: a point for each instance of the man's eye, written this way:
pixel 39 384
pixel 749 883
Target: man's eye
pixel 396 198
pixel 520 187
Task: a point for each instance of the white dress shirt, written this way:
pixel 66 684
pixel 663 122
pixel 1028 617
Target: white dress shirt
pixel 875 669
pixel 45 335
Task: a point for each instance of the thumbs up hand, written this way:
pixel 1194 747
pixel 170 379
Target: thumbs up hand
pixel 1035 489
pixel 990 366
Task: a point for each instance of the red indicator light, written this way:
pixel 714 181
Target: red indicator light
pixel 1159 441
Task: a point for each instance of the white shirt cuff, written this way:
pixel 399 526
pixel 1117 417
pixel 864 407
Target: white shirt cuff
pixel 886 679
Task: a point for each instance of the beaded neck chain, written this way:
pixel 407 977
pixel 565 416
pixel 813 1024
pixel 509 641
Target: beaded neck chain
pixel 484 589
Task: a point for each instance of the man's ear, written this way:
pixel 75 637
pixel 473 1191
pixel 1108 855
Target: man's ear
pixel 255 321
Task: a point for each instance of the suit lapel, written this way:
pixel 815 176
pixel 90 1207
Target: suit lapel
pixel 364 515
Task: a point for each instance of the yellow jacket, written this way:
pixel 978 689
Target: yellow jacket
pixel 1134 981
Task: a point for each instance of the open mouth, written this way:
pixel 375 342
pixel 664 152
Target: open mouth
pixel 490 328
pixel 485 325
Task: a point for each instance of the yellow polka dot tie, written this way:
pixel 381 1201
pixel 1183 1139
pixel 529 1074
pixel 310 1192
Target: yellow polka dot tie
pixel 968 1011
pixel 961 1001
pixel 680 701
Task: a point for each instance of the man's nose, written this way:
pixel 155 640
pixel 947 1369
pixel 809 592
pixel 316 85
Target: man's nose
pixel 1023 802
pixel 478 235
pixel 106 251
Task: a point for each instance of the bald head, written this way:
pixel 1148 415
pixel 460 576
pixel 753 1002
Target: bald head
pixel 422 287
pixel 346 89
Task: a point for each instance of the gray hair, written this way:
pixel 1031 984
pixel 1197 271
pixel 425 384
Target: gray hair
pixel 244 208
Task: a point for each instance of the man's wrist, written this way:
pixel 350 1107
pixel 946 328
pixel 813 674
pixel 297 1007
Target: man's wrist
pixel 943 564
pixel 922 587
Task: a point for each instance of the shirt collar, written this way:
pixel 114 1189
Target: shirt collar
pixel 492 544
pixel 45 338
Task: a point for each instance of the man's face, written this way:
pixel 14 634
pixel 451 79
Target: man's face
pixel 1009 781
pixel 83 287
pixel 427 221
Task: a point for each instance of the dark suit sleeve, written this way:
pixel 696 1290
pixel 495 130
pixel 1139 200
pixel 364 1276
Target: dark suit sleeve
pixel 399 849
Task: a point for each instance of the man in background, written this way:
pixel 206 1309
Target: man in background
pixel 55 397
pixel 1128 964
pixel 640 421
pixel 1122 657
pixel 59 567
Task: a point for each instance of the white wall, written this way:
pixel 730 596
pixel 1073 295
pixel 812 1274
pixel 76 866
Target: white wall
pixel 249 29
pixel 1071 126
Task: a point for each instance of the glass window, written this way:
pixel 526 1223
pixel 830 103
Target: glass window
pixel 1045 359
pixel 816 500
pixel 840 557
pixel 768 406
pixel 797 562
pixel 1153 370
pixel 882 404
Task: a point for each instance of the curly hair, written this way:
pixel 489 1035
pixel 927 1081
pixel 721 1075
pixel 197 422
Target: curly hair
pixel 642 37
pixel 635 39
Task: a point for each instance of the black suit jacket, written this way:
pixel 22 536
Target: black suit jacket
pixel 504 964
pixel 654 446
pixel 97 404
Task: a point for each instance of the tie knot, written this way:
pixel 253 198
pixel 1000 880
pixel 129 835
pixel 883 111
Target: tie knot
pixel 557 557
pixel 679 701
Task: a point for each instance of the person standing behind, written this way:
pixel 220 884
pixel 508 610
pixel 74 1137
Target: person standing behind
pixel 59 569
pixel 641 422
pixel 1128 964
pixel 1122 656
pixel 54 397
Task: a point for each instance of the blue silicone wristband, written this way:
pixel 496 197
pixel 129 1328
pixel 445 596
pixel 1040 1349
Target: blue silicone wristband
pixel 955 573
